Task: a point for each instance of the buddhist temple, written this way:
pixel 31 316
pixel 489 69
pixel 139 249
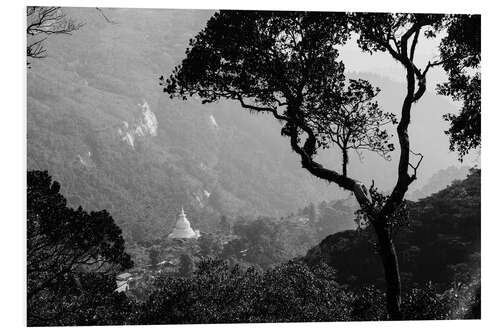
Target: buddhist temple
pixel 183 228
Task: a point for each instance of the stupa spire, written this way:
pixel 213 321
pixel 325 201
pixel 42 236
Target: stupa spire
pixel 183 227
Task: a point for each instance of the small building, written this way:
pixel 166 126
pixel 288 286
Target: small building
pixel 183 228
pixel 122 282
pixel 122 286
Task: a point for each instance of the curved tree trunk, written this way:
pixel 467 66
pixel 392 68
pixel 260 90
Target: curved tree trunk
pixel 387 252
pixel 379 221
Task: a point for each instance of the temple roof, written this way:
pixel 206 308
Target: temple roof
pixel 183 228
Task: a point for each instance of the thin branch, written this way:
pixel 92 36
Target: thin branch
pixel 414 176
pixel 45 21
pixel 274 111
pixel 105 17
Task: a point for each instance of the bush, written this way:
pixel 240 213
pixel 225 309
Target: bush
pixel 218 293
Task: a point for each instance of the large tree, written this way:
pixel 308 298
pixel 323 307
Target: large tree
pixel 286 64
pixel 67 249
pixel 354 122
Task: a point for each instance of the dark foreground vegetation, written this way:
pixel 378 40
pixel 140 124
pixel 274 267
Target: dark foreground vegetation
pixel 74 257
pixel 286 65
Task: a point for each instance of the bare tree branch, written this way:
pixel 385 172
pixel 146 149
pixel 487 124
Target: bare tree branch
pixel 105 16
pixel 415 168
pixel 43 22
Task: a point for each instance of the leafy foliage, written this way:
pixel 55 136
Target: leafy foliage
pixel 398 218
pixel 66 248
pixel 258 243
pixel 79 98
pixel 290 292
pixel 462 48
pixel 262 56
pixel 291 76
pixel 285 63
pixel 440 244
pixel 462 300
pixel 220 294
pixel 355 123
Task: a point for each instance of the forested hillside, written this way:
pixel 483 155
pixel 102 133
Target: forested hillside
pixel 340 196
pixel 250 278
pixel 98 122
pixel 439 181
pixel 440 244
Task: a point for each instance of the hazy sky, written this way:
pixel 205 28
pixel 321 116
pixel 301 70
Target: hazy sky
pixel 426 123
pixel 382 62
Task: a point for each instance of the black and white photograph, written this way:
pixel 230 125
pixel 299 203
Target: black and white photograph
pixel 251 165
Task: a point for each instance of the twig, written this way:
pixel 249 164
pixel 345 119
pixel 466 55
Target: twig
pixel 418 164
pixel 105 17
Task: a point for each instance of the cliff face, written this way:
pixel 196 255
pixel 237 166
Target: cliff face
pixel 100 124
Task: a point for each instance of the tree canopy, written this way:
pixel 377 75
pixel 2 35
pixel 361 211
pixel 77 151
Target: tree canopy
pixel 66 248
pixel 43 22
pixel 286 64
pixel 462 48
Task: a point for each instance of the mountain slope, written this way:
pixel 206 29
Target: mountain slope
pixel 439 181
pixel 99 123
pixel 441 244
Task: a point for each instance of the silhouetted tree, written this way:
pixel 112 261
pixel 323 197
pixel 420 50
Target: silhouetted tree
pixel 219 293
pixel 398 35
pixel 462 49
pixel 65 247
pixel 285 64
pixel 442 245
pixel 355 123
pixel 43 22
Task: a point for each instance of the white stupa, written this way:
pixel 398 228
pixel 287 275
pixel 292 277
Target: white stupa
pixel 183 228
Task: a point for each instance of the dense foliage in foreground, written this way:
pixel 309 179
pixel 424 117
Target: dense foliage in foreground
pixel 440 244
pixel 73 257
pixel 219 291
pixel 291 292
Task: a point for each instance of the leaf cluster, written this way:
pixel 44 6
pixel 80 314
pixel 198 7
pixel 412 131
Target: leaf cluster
pixel 65 247
pixel 462 49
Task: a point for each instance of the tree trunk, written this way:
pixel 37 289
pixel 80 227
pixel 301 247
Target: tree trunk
pixel 345 160
pixel 389 258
